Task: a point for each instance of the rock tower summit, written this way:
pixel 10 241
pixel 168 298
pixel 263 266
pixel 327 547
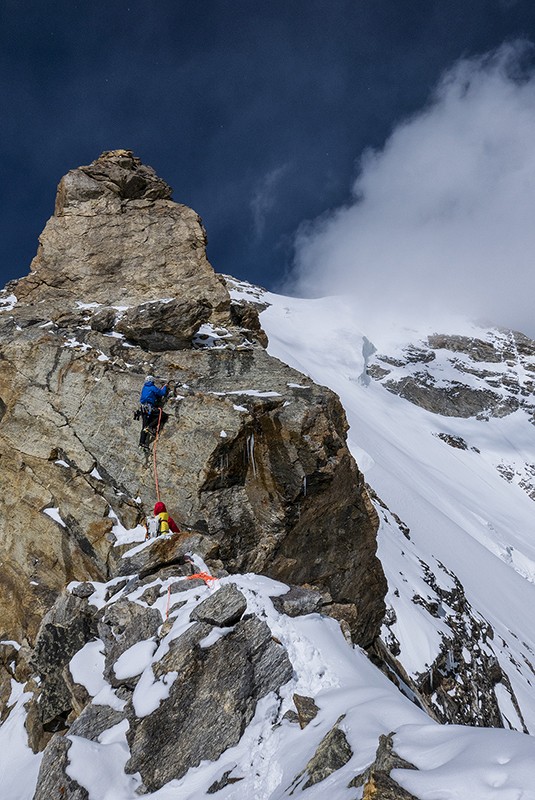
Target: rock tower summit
pixel 117 238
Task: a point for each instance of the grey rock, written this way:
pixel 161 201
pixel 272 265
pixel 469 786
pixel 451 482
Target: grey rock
pixel 298 601
pixel 115 588
pixel 164 325
pixel 94 720
pixel 64 630
pixel 332 753
pixel 122 625
pixel 225 780
pixel 191 726
pixel 224 608
pixel 376 779
pixel 186 585
pixel 245 315
pixel 8 654
pixel 384 787
pixel 53 780
pixel 291 716
pixel 116 173
pixel 454 441
pixel 160 574
pixel 166 551
pixel 494 392
pixel 85 589
pixel 465 658
pixel 8 667
pixel 67 627
pixel 103 320
pixel 150 595
pixel 477 349
pixel 307 709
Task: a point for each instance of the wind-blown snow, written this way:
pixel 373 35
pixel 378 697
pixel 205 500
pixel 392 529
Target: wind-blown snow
pixel 455 763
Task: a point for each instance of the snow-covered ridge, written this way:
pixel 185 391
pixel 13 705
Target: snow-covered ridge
pixel 276 756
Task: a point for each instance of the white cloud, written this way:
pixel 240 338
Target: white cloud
pixel 443 217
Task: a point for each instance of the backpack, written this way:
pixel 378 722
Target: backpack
pixel 163 523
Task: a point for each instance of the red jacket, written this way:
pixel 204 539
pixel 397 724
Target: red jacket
pixel 160 508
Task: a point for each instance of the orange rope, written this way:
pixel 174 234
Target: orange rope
pixel 202 575
pixel 154 456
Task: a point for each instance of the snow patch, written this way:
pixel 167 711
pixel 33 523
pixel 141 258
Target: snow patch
pixel 53 513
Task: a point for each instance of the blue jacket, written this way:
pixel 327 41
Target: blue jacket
pixel 151 394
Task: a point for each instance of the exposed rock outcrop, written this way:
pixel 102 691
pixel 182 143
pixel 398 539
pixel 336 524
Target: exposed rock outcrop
pixel 376 780
pixel 462 376
pixel 332 753
pixel 117 238
pixel 252 453
pixel 467 675
pixel 198 689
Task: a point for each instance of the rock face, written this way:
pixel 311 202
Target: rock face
pixel 252 453
pixel 333 752
pixel 485 376
pixel 462 376
pixel 210 704
pixel 376 779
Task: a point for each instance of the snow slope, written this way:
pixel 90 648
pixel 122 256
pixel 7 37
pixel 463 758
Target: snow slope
pixel 460 511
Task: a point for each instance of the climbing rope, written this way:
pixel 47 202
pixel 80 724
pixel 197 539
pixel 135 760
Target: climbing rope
pixel 202 575
pixel 154 462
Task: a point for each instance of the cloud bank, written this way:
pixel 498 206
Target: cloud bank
pixel 443 217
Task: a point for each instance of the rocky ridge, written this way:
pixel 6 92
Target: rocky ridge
pixel 169 669
pixel 461 684
pixel 463 376
pixel 253 463
pixel 251 453
pixel 252 460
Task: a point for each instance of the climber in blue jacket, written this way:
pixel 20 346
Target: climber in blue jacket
pixel 151 401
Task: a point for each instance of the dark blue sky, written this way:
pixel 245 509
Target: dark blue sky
pixel 255 112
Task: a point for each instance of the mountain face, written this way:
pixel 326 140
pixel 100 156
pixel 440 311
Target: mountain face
pixel 228 659
pixel 251 457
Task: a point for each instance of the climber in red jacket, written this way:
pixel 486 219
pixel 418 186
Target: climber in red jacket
pixel 165 522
